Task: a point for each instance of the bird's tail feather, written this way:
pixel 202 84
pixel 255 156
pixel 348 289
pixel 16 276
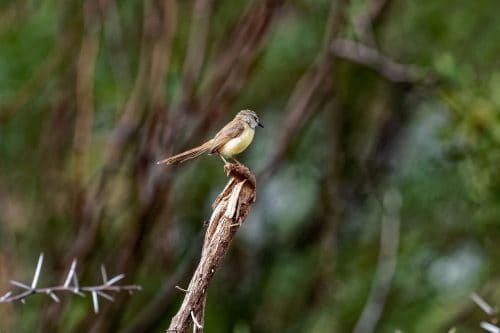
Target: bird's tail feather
pixel 188 154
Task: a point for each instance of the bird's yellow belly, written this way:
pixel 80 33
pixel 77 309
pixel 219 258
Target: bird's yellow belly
pixel 238 144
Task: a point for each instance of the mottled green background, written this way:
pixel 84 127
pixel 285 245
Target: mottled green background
pixel 93 92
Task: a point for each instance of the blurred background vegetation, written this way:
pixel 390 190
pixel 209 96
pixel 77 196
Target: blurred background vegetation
pixel 378 182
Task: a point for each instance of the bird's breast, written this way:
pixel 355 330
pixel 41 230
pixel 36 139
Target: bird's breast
pixel 238 144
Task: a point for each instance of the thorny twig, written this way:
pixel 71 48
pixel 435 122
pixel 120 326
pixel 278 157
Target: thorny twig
pixel 374 59
pixel 70 285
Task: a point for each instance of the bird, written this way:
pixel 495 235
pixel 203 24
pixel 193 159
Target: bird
pixel 231 140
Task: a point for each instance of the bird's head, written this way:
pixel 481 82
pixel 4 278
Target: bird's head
pixel 250 118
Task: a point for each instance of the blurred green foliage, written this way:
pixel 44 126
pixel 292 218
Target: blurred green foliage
pixel 306 258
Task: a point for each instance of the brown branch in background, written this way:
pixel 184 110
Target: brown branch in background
pixel 367 53
pixel 312 83
pixel 386 266
pixel 196 49
pixel 368 17
pixel 12 12
pixel 157 181
pixel 372 58
pixel 115 39
pixel 148 182
pixel 156 121
pixel 71 285
pixel 93 13
pixel 233 63
pixel 230 210
pixel 239 51
pixel 44 73
pixel 85 92
pixel 91 210
pixel 135 107
pixel 187 101
pixel 161 25
pixel 299 106
pixel 227 75
pixel 147 319
pixel 333 206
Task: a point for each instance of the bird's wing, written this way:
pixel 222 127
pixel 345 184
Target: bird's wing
pixel 228 132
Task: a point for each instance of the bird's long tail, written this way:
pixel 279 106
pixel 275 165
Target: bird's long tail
pixel 188 154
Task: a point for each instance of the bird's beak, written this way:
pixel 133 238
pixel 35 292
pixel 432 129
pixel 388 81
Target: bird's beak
pixel 260 125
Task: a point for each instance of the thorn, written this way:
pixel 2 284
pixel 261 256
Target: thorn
pixel 78 292
pixel 490 327
pixel 106 296
pixel 71 272
pixel 37 271
pixel 195 321
pixel 115 279
pixel 5 296
pixel 75 281
pixel 20 284
pixel 104 274
pixel 182 289
pixel 53 296
pixel 488 309
pixel 95 302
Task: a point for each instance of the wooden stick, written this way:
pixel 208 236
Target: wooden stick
pixel 230 210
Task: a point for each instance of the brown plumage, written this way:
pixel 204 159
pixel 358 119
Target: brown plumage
pixel 232 130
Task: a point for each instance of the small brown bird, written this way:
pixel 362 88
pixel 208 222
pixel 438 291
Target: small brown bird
pixel 231 140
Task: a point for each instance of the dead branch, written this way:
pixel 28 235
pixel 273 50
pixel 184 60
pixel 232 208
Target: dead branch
pixel 195 54
pixel 386 266
pixel 152 313
pixel 365 21
pixel 235 59
pixel 301 105
pixel 85 92
pixel 63 49
pixel 230 210
pixel 374 59
pixel 71 285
